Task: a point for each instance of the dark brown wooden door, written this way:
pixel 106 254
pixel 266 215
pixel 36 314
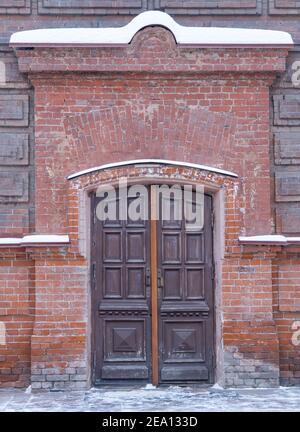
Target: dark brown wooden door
pixel 163 336
pixel 185 300
pixel 121 299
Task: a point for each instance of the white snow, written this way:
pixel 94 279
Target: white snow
pixel 46 238
pixel 293 239
pixel 28 390
pixel 269 239
pixel 170 399
pixel 217 386
pixel 123 35
pixel 151 161
pixel 35 239
pixel 263 239
pixel 150 387
pixel 10 241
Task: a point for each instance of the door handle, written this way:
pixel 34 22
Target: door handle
pixel 160 279
pixel 147 282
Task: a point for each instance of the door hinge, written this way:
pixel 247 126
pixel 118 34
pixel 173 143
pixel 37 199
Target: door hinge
pixel 148 281
pixel 94 274
pixel 148 277
pixel 94 359
pixel 213 273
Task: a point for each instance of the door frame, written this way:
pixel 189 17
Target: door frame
pixel 154 290
pixel 217 194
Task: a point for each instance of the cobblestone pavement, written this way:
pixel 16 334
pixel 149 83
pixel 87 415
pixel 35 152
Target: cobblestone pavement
pixel 152 399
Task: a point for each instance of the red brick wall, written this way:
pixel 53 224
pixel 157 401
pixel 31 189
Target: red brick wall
pixel 216 114
pixel 286 283
pixel 17 315
pixel 101 109
pixel 58 347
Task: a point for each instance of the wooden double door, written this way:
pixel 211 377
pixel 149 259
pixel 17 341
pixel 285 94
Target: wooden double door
pixel 152 299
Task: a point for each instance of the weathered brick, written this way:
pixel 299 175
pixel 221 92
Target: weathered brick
pixel 57 377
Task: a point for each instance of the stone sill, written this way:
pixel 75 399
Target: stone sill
pixel 267 240
pixel 35 240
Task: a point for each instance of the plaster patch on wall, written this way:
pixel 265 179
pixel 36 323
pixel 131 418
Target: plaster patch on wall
pixel 2 72
pixel 296 333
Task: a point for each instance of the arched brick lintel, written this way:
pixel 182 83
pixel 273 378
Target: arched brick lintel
pixel 222 186
pixel 153 162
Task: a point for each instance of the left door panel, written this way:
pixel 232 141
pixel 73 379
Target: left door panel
pixel 120 298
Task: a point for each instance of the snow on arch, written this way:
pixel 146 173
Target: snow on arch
pixel 152 162
pixel 120 36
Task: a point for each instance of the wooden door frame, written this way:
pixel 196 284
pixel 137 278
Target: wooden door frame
pixel 154 288
pixel 210 190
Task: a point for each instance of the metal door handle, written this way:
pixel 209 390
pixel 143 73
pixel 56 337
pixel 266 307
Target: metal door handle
pixel 148 277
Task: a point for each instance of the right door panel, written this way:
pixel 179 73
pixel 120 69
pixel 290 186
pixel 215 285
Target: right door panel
pixel 185 297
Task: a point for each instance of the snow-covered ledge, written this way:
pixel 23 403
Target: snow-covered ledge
pixel 120 36
pixel 35 240
pixel 273 239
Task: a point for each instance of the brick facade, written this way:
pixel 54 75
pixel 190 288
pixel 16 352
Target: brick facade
pixel 235 109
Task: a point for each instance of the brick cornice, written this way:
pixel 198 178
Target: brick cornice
pixel 153 50
pixel 196 60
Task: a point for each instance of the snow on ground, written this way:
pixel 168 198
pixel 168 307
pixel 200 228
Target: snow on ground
pixel 172 399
